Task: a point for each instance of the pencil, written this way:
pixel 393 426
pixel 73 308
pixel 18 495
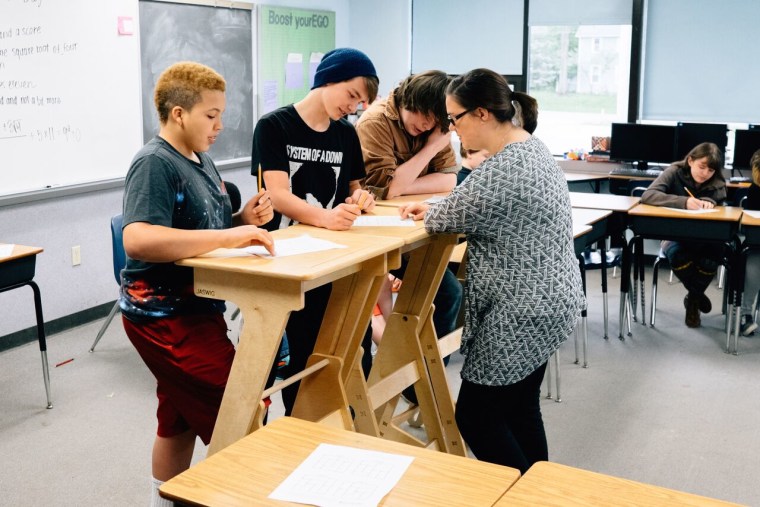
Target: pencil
pixel 689 192
pixel 260 178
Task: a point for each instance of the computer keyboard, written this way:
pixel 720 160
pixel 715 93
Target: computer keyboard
pixel 630 171
pixel 739 179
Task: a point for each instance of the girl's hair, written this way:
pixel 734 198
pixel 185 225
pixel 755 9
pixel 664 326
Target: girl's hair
pixel 754 163
pixel 425 93
pixel 181 85
pixel 705 150
pixel 489 90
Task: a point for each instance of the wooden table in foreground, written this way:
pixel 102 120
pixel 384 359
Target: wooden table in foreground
pixel 409 353
pixel 17 270
pixel 552 484
pixel 266 291
pixel 246 472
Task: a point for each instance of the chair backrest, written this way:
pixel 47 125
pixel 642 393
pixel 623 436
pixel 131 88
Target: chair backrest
pixel 117 247
pixel 638 191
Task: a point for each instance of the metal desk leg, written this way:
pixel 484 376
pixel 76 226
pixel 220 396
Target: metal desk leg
pixel 603 249
pixel 41 339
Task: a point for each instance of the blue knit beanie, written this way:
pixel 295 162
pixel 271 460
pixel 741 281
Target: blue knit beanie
pixel 342 64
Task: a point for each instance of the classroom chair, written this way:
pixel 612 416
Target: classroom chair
pixel 119 261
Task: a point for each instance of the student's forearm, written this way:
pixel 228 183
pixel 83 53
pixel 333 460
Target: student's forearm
pixel 406 173
pixel 156 243
pixel 431 183
pixel 296 208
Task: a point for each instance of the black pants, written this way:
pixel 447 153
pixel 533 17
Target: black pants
pixel 503 424
pixel 302 330
pixel 695 264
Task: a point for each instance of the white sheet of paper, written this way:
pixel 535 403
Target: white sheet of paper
pixel 338 476
pixel 752 213
pixel 282 247
pixel 695 211
pixel 6 250
pixel 383 221
pixel 295 246
pixel 434 199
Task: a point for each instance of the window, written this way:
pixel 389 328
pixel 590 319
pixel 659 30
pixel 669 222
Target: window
pixel 578 69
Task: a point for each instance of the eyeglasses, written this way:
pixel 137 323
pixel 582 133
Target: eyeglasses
pixel 453 119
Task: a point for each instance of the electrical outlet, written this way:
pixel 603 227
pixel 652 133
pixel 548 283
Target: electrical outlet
pixel 76 256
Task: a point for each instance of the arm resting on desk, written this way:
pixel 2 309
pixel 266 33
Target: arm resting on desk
pixel 156 243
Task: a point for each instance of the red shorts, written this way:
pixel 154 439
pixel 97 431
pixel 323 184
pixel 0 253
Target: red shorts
pixel 191 357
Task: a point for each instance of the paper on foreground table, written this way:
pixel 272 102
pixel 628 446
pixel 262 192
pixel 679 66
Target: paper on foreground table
pixel 339 476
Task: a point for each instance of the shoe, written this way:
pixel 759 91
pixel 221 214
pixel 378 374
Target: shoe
pixel 748 325
pixel 692 310
pixel 705 305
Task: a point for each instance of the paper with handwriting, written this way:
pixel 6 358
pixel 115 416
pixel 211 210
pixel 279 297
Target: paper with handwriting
pixel 339 476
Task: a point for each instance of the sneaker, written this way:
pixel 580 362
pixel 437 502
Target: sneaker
pixel 748 325
pixel 692 310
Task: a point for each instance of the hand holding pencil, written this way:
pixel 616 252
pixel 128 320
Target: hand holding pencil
pixel 694 203
pixel 365 200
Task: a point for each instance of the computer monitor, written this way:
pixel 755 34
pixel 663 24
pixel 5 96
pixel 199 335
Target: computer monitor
pixel 754 126
pixel 746 142
pixel 688 135
pixel 640 143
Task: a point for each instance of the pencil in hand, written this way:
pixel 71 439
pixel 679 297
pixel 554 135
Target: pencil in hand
pixel 260 187
pixel 362 199
pixel 689 192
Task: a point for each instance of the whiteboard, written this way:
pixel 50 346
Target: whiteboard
pixel 69 92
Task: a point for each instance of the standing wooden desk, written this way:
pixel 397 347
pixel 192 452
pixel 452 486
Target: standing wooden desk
pixel 266 291
pixel 16 271
pixel 246 472
pixel 616 225
pixel 410 353
pixel 656 222
pixel 552 484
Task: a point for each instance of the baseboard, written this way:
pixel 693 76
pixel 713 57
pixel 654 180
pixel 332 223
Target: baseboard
pixel 28 335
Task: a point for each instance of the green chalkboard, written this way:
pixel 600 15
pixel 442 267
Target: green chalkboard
pixel 290 44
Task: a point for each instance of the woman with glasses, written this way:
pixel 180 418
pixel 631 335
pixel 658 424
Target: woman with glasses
pixel 523 292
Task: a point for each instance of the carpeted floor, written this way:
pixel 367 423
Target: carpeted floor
pixel 667 406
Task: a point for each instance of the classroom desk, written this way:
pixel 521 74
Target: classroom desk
pixel 597 219
pixel 552 484
pixel 17 270
pixel 409 338
pixel 246 472
pixel 616 226
pixel 594 178
pixel 750 227
pixel 656 222
pixel 266 291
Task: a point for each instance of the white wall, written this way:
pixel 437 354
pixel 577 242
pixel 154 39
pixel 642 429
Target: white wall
pixel 383 31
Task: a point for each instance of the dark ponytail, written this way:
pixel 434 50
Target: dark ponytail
pixel 489 90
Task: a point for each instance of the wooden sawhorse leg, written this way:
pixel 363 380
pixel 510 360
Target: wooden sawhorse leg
pixel 409 354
